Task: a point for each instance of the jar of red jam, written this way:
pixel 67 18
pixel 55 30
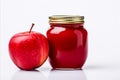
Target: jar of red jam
pixel 67 39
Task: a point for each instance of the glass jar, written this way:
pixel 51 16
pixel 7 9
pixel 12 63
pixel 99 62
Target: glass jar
pixel 68 42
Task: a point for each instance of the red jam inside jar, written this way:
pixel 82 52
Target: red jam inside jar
pixel 67 39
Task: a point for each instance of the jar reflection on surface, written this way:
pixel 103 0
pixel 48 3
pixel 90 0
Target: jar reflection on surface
pixel 68 45
pixel 67 75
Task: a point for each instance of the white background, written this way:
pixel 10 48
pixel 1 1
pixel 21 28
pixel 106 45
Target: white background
pixel 102 20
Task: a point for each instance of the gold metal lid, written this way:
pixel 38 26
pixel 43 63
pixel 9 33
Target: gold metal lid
pixel 67 19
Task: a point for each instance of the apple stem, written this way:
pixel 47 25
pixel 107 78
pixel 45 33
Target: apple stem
pixel 31 27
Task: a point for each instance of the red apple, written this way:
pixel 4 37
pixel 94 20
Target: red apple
pixel 28 50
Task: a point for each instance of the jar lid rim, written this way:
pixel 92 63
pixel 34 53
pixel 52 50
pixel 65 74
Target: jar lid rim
pixel 66 19
pixel 65 16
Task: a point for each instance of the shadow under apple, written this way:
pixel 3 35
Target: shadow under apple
pixel 28 75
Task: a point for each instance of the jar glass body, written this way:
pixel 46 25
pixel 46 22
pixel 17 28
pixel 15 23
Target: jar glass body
pixel 68 45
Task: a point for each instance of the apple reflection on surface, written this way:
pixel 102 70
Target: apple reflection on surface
pixel 28 75
pixel 67 75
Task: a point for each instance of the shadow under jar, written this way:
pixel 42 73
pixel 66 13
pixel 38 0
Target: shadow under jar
pixel 67 39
